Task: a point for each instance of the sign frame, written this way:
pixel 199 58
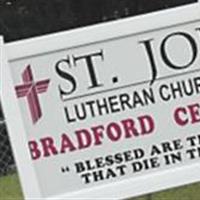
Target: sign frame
pixel 80 37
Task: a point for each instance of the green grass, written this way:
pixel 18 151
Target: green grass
pixel 190 192
pixel 10 190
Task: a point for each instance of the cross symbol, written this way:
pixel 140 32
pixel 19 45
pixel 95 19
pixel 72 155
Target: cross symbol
pixel 31 89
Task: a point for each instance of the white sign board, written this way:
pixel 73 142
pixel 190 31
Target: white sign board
pixel 110 111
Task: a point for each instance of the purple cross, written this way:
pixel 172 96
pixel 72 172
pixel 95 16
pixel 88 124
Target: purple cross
pixel 31 89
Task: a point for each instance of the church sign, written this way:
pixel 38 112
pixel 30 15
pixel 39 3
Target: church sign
pixel 108 111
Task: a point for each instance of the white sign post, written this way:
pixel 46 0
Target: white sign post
pixel 109 111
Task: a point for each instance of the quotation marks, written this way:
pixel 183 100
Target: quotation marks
pixel 115 79
pixel 65 169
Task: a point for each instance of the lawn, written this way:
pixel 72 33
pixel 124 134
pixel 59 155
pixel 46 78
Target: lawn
pixel 10 190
